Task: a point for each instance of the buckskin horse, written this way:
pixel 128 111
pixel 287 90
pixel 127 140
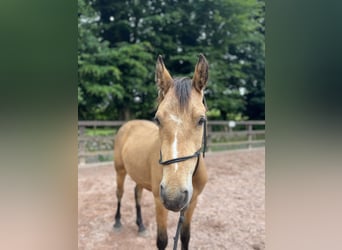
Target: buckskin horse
pixel 164 156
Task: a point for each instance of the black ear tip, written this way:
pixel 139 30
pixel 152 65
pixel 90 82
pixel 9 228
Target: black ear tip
pixel 160 58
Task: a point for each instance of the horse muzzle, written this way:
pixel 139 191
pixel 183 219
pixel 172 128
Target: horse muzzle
pixel 175 200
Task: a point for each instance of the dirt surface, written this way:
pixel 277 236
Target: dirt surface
pixel 230 213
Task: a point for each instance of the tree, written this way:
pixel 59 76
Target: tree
pixel 228 32
pixel 255 97
pixel 112 80
pixel 96 77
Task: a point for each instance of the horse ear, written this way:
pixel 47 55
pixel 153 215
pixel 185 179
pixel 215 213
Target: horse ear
pixel 200 78
pixel 162 77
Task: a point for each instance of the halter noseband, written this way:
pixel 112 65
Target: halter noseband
pixel 196 154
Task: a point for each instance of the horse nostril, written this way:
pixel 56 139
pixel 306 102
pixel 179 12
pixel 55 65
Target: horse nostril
pixel 186 194
pixel 162 190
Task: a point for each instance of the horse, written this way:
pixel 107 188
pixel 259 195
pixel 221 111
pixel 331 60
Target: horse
pixel 164 156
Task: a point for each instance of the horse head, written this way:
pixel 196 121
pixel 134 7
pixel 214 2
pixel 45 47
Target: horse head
pixel 181 118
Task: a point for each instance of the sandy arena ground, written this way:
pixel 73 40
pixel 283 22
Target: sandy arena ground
pixel 230 213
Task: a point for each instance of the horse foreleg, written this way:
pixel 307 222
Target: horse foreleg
pixel 120 179
pixel 161 216
pixel 137 195
pixel 185 231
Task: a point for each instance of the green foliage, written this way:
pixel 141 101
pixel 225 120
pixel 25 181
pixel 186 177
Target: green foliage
pixel 100 132
pixel 112 79
pixel 120 40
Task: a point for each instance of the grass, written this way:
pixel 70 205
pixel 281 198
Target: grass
pixel 100 131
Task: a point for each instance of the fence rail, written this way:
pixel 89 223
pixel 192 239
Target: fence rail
pixel 96 138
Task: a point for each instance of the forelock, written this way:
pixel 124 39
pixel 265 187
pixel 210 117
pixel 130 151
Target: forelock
pixel 182 88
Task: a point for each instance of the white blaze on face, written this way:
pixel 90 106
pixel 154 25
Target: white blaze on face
pixel 178 121
pixel 175 150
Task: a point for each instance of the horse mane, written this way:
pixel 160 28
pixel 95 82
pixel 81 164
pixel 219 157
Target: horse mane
pixel 182 88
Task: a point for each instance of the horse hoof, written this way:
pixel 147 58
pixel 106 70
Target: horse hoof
pixel 143 232
pixel 117 226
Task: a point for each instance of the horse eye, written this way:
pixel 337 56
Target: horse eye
pixel 201 121
pixel 156 120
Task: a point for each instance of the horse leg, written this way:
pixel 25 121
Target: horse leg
pixel 185 230
pixel 120 179
pixel 161 216
pixel 137 195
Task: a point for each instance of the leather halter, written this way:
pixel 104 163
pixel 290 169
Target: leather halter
pixel 196 154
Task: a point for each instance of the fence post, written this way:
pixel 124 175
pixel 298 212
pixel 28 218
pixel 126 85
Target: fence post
pixel 81 147
pixel 249 133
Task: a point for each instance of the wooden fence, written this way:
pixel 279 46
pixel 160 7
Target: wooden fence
pixel 96 138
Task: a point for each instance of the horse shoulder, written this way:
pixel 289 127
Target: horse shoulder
pixel 138 139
